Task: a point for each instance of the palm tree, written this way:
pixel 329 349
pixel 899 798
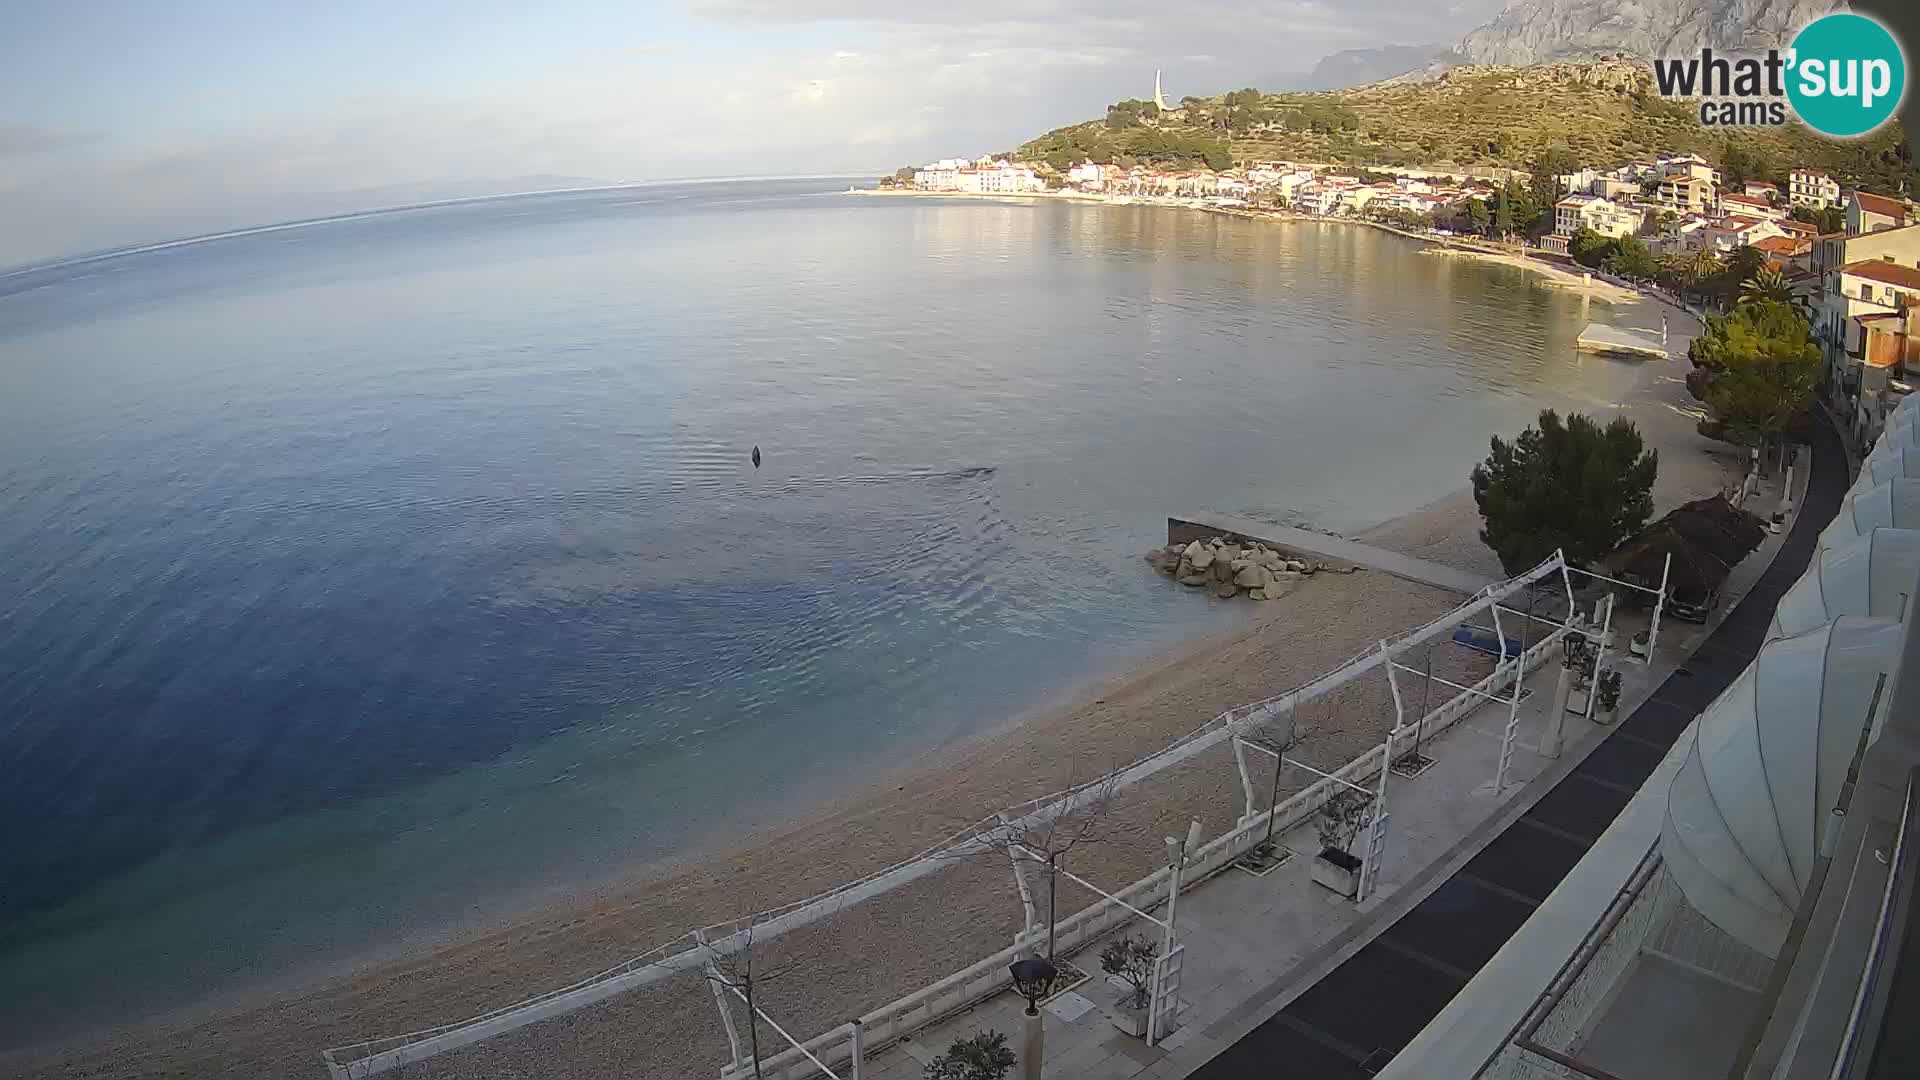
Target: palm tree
pixel 1765 284
pixel 1703 267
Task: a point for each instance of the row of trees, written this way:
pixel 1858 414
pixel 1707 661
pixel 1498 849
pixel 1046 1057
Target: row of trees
pixel 1625 256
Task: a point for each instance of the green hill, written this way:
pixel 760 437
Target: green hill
pixel 1472 118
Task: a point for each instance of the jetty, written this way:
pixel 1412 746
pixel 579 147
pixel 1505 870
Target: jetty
pixel 1600 338
pixel 1325 549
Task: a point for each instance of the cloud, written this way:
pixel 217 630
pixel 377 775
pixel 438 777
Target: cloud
pixel 19 140
pixel 763 87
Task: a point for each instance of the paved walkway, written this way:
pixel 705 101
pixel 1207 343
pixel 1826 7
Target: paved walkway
pixel 1349 1024
pixel 1320 546
pixel 1285 979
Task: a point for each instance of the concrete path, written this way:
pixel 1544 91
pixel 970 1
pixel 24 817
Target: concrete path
pixel 1352 1021
pixel 1601 338
pixel 1323 548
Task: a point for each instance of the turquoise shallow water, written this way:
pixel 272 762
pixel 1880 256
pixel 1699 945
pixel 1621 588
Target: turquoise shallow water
pixel 369 578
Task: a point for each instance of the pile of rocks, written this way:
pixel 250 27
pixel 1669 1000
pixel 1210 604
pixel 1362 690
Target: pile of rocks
pixel 1229 568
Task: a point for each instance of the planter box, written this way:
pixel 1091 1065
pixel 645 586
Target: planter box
pixel 1337 870
pixel 1127 1018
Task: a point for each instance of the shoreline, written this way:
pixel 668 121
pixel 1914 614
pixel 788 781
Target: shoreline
pixel 1105 719
pixel 1443 246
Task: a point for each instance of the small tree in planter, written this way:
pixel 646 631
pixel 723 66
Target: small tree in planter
pixel 1606 697
pixel 1132 959
pixel 984 1055
pixel 1338 823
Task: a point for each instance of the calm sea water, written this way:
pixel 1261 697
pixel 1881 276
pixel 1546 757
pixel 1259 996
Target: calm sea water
pixel 366 578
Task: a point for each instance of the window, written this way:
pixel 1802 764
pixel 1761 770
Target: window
pixel 1866 291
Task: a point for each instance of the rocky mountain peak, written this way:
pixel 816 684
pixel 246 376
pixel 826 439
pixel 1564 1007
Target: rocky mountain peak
pixel 1539 31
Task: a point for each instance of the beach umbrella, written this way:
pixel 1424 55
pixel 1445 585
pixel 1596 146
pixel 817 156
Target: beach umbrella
pixel 1872 574
pixel 1748 811
pixel 1706 539
pixel 1891 505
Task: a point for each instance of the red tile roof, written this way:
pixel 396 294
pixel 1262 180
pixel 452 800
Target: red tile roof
pixel 1780 245
pixel 1880 204
pixel 1887 273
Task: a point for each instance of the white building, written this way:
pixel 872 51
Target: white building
pixel 1735 232
pixel 1088 176
pixel 1607 218
pixel 1812 187
pixel 1753 206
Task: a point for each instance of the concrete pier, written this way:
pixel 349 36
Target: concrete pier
pixel 1335 551
pixel 1600 338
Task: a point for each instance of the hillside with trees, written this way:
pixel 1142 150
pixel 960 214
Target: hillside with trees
pixel 1482 119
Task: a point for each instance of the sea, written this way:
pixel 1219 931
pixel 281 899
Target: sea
pixel 369 579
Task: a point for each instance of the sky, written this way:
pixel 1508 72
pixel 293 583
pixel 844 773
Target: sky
pixel 129 122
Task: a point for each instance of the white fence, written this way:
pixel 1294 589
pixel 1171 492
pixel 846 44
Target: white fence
pixel 691 952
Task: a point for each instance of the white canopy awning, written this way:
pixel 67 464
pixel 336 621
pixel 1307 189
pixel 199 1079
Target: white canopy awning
pixel 1889 461
pixel 1875 575
pixel 1747 811
pixel 1894 504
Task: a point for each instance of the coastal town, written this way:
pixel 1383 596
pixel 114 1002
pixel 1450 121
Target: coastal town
pixel 1847 259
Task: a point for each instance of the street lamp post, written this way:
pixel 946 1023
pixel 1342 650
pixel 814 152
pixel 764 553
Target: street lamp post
pixel 1032 979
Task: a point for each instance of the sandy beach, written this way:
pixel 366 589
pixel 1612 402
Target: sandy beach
pixel 921 932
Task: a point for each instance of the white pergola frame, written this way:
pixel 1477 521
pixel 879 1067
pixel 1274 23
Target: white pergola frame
pixel 1158 991
pixel 1659 605
pixel 1518 665
pixel 1376 811
pixel 689 954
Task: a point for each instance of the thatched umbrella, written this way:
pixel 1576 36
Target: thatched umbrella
pixel 1707 538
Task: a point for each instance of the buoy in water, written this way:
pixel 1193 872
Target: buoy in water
pixel 756 457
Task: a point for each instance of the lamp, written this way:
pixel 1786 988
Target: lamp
pixel 1032 979
pixel 1573 646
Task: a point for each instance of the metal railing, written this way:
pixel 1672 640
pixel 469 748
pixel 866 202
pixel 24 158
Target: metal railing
pixel 690 952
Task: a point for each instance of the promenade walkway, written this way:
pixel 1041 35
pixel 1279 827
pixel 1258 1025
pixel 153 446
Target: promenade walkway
pixel 1350 1023
pixel 1321 547
pixel 1285 979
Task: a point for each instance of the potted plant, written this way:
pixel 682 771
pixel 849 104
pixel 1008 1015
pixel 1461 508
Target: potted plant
pixel 1338 823
pixel 984 1055
pixel 1580 655
pixel 1131 959
pixel 1606 696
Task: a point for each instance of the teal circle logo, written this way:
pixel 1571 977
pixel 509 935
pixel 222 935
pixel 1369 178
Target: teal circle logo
pixel 1846 75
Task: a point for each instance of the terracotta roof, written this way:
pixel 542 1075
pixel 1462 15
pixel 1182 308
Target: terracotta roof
pixel 1747 200
pixel 1810 172
pixel 1887 273
pixel 1736 223
pixel 1880 204
pixel 1780 245
pixel 1804 228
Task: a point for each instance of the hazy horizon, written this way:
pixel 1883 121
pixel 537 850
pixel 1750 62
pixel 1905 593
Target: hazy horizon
pixel 129 124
